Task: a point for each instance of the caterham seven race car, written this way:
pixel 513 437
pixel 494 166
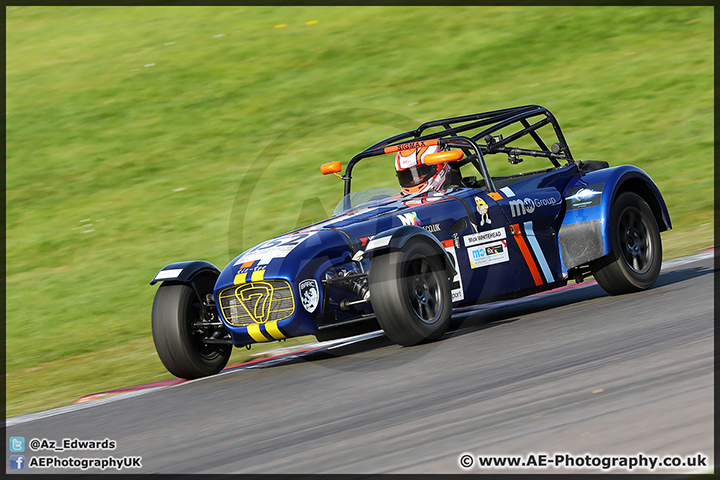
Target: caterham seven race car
pixel 402 262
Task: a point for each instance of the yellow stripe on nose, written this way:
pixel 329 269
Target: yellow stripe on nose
pixel 273 330
pixel 254 331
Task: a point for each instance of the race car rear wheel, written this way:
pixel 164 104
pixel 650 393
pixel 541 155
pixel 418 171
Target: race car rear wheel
pixel 636 257
pixel 410 293
pixel 179 344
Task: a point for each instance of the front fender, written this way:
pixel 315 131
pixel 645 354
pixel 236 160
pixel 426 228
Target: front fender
pixel 584 232
pixel 395 239
pixel 184 272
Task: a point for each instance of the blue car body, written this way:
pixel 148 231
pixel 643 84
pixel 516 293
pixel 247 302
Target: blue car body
pixel 504 238
pixel 517 246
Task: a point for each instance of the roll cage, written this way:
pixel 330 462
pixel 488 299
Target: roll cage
pixel 487 123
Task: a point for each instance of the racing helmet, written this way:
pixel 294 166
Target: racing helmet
pixel 416 177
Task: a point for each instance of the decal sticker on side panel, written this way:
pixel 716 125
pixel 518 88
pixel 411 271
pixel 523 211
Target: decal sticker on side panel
pixel 409 218
pixel 309 295
pixel 583 197
pixel 488 254
pixel 456 287
pixel 528 205
pixel 482 208
pixel 482 237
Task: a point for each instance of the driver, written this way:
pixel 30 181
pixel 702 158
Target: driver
pixel 416 177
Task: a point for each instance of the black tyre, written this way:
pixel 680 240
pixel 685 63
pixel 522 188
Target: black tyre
pixel 410 293
pixel 636 257
pixel 179 344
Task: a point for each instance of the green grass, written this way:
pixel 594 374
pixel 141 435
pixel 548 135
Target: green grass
pixel 195 132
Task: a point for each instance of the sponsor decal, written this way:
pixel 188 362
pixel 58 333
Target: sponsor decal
pixel 410 145
pixel 251 270
pixel 309 294
pixel 483 209
pixel 409 219
pixel 488 254
pixel 456 287
pixel 253 266
pixel 528 205
pixel 363 241
pixel 483 237
pixel 432 228
pixel 583 197
pixel 275 247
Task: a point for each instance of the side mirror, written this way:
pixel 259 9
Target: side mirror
pixel 332 167
pixel 443 157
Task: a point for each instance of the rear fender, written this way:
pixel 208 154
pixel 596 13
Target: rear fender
pixel 584 233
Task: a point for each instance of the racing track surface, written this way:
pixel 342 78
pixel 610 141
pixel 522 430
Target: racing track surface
pixel 577 371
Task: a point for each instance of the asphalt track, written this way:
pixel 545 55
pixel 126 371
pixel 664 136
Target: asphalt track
pixel 576 372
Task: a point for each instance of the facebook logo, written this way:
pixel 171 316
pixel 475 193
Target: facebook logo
pixel 17 462
pixel 17 444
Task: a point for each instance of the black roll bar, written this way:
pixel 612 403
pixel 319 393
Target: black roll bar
pixel 493 121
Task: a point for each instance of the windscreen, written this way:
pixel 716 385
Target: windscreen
pixel 364 198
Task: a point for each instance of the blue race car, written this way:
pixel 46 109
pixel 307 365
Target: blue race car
pixel 454 236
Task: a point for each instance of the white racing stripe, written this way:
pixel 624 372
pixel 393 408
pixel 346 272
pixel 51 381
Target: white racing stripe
pixel 530 235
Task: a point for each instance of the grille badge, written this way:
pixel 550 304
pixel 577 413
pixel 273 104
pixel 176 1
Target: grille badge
pixel 256 299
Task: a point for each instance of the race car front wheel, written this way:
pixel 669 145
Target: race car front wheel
pixel 410 293
pixel 176 313
pixel 636 257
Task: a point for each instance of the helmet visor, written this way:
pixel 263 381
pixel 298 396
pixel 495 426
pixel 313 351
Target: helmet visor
pixel 416 175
